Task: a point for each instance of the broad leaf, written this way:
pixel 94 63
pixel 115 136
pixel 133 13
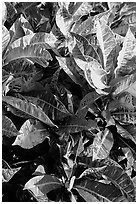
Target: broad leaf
pixel 32 47
pixel 126 62
pixel 31 134
pixel 41 185
pixel 101 190
pixel 50 105
pixel 102 144
pixel 94 73
pixel 8 128
pixel 29 109
pixel 107 43
pixel 117 175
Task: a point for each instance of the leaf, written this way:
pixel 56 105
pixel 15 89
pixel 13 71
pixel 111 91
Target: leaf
pixel 94 73
pixel 75 124
pixel 124 115
pixel 127 83
pixel 101 190
pixel 31 134
pixel 88 197
pixel 125 63
pixel 86 103
pixel 8 172
pixel 32 47
pixel 63 22
pixel 41 185
pixel 102 144
pixel 85 48
pixel 4 12
pixel 8 127
pixel 50 105
pixel 117 175
pixel 29 109
pixel 39 171
pixel 125 100
pixel 63 65
pixel 5 37
pixel 106 41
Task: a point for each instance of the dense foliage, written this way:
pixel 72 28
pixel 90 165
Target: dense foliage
pixel 68 101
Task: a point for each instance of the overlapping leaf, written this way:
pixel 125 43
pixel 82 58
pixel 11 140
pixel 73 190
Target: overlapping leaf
pixel 121 180
pixel 107 43
pixel 127 83
pixel 8 127
pixel 94 73
pixel 32 47
pixel 31 134
pixel 29 109
pixel 107 191
pixel 5 37
pixel 41 185
pixel 102 144
pixel 126 58
pixel 50 105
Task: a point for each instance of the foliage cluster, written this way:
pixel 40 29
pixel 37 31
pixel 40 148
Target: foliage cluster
pixel 68 101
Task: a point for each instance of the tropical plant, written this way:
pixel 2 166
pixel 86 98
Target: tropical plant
pixel 69 101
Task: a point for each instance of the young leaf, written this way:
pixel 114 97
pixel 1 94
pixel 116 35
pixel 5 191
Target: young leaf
pixel 8 128
pixel 43 184
pixel 126 62
pixel 102 144
pixel 107 191
pixel 106 41
pixel 31 110
pixel 31 134
pixel 33 47
pixel 94 73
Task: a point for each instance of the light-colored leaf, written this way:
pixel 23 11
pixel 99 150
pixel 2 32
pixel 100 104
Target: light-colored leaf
pixel 29 109
pixel 106 41
pixel 4 12
pixel 32 47
pixel 41 185
pixel 63 65
pixel 8 172
pixel 127 83
pixel 94 73
pixel 5 37
pixel 31 134
pixel 39 171
pixel 88 197
pixel 102 144
pixel 128 52
pixel 8 127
